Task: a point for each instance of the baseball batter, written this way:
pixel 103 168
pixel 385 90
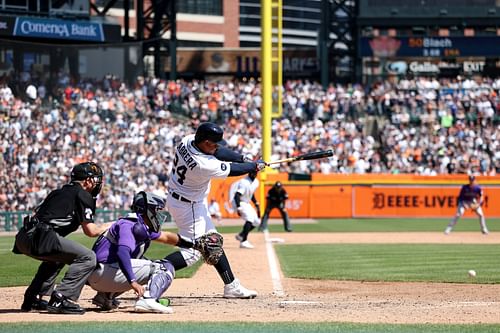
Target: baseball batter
pixel 242 193
pixel 199 158
pixel 120 256
pixel 470 197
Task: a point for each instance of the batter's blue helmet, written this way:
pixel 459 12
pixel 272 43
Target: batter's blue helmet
pixel 210 132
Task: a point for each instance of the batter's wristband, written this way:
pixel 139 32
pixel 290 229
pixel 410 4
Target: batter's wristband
pixel 183 243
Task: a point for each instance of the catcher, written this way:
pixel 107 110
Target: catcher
pixel 470 197
pixel 121 262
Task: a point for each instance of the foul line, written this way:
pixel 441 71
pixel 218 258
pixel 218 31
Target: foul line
pixel 273 266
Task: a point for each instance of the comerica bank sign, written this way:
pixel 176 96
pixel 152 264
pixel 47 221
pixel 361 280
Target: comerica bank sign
pixel 34 27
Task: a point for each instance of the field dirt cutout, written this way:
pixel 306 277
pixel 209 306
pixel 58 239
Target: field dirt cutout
pixel 200 298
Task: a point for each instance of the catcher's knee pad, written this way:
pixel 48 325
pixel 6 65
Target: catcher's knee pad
pixel 191 256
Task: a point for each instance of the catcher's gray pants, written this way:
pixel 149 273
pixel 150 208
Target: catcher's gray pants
pixel 110 278
pixel 80 259
pixel 158 275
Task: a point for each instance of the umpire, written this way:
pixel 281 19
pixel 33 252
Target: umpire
pixel 276 198
pixel 42 237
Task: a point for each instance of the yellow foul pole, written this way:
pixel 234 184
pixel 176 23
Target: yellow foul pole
pixel 266 82
pixel 266 76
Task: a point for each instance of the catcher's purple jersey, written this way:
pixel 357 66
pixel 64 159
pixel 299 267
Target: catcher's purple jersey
pixel 130 232
pixel 469 193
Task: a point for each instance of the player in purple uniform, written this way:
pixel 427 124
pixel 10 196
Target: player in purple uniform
pixel 121 264
pixel 470 197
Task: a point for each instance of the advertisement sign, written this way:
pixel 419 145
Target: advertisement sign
pixel 353 201
pixel 413 201
pixel 387 47
pixel 435 67
pixel 242 61
pixel 59 29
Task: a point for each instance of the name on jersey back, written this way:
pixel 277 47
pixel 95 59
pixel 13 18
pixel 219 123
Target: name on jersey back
pixel 188 160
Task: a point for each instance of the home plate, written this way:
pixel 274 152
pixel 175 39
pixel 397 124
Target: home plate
pixel 276 240
pixel 282 304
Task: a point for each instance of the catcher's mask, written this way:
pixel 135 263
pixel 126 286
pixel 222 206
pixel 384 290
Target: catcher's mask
pixel 91 170
pixel 150 205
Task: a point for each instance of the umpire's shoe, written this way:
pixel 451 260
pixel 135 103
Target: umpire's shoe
pixel 60 304
pixel 33 303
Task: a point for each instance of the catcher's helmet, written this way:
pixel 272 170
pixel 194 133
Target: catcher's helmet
pixel 150 205
pixel 86 170
pixel 210 132
pixel 278 184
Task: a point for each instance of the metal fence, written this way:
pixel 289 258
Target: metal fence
pixel 13 221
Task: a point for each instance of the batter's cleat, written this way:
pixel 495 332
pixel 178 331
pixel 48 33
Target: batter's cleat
pixel 236 290
pixel 59 304
pixel 447 231
pixel 246 245
pixel 238 237
pixel 485 231
pixel 151 305
pixel 36 304
pixel 105 302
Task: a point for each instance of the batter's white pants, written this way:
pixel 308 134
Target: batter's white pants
pixel 193 220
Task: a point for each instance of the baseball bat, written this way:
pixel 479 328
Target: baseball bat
pixel 304 157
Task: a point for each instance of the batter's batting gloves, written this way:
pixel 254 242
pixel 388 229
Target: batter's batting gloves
pixel 260 165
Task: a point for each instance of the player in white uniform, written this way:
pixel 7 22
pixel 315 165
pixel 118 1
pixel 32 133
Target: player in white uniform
pixel 199 158
pixel 241 193
pixel 214 210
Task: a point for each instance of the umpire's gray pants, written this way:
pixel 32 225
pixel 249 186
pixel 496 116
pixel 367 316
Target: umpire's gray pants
pixel 80 259
pixel 110 278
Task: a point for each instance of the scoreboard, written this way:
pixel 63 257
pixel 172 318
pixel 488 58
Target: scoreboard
pixel 428 8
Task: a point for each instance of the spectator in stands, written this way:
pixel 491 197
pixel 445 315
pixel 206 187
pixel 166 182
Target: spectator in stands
pixel 388 127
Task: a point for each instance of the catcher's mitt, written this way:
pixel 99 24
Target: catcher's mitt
pixel 210 247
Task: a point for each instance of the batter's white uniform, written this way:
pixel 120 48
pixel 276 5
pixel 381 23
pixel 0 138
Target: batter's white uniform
pixel 246 188
pixel 188 188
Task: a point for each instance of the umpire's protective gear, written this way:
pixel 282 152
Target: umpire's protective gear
pixel 86 170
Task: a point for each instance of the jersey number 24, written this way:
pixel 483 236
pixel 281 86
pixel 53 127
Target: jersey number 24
pixel 180 170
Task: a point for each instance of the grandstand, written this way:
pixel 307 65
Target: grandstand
pixel 390 121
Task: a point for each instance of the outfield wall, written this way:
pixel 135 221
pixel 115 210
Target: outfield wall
pixel 347 196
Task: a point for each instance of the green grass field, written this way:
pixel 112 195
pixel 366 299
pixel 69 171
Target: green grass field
pixel 178 327
pixel 366 262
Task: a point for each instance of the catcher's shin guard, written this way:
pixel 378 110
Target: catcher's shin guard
pixel 161 279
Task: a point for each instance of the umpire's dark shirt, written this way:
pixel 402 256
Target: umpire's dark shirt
pixel 276 196
pixel 66 208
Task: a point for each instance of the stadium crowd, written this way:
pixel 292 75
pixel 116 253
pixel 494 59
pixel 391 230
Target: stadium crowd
pixel 420 126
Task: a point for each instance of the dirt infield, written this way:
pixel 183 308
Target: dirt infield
pixel 200 298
